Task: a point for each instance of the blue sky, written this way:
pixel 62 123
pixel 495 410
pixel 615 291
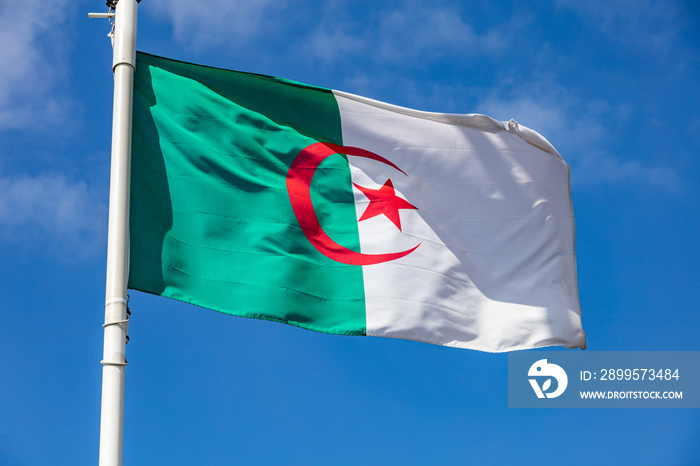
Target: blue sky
pixel 612 84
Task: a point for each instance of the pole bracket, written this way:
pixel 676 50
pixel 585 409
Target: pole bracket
pixel 116 322
pixel 107 363
pixel 101 15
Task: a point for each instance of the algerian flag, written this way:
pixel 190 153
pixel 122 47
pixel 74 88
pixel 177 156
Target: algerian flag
pixel 266 198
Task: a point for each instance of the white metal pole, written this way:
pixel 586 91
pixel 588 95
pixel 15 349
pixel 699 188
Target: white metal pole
pixel 116 320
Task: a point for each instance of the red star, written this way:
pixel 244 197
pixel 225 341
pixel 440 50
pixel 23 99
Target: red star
pixel 384 201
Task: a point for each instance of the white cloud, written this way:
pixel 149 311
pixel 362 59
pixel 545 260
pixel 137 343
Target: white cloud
pixel 431 33
pixel 215 22
pixel 651 24
pixel 33 47
pixel 330 44
pixel 416 35
pixel 50 211
pixel 601 166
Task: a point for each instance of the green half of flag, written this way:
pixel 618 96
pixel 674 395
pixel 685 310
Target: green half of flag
pixel 211 220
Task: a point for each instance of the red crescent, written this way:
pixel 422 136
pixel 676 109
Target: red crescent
pixel 299 177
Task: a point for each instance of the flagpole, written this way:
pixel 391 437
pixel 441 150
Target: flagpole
pixel 116 320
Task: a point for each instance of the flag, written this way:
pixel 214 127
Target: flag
pixel 267 198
